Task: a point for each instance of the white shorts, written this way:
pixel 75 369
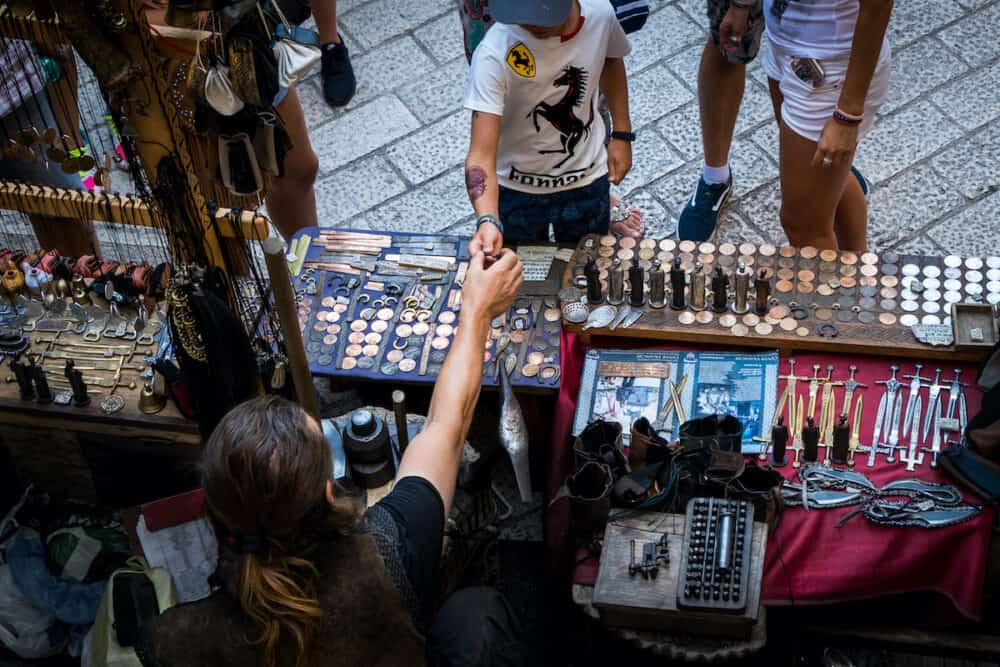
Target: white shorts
pixel 805 108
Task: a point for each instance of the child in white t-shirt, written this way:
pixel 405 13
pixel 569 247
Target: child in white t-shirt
pixel 537 155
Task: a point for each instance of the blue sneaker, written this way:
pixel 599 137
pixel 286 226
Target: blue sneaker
pixel 698 218
pixel 862 181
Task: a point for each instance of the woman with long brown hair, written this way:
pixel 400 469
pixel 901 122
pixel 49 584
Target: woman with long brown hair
pixel 304 578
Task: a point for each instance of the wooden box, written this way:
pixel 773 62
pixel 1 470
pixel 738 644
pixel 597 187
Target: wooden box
pixel 651 604
pixel 968 316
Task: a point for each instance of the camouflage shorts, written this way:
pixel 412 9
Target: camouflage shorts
pixel 750 44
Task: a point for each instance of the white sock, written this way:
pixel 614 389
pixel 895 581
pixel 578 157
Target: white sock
pixel 713 175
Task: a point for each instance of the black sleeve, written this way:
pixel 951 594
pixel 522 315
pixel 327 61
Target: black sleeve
pixel 418 511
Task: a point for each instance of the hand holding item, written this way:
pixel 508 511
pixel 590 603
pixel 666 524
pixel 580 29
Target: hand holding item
pixel 836 144
pixel 619 160
pixel 734 24
pixel 488 292
pixel 488 238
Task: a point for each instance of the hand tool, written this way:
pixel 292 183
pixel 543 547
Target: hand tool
pixel 911 421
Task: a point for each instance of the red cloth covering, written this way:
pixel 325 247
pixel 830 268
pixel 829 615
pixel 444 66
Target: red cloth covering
pixel 809 560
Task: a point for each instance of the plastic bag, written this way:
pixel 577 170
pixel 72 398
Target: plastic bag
pixel 25 629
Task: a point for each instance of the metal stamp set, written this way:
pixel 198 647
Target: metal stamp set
pixel 715 565
pixel 383 305
pixel 917 416
pixel 775 296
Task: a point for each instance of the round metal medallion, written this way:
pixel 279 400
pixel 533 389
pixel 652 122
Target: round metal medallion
pixel 348 363
pixel 704 317
pixel 727 320
pixel 686 317
pixel 739 330
pixel 112 404
pixel 763 329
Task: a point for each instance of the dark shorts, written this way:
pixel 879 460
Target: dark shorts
pixel 750 44
pixel 571 214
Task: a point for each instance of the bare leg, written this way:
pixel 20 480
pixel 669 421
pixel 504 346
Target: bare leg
pixel 720 92
pixel 325 13
pixel 851 219
pixel 291 201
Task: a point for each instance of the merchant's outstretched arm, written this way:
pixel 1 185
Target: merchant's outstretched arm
pixel 436 452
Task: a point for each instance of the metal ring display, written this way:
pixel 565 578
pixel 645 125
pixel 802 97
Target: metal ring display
pixel 827 330
pixel 396 344
pixel 393 289
pixel 391 301
pixel 342 291
pixel 799 313
pixel 423 315
pixel 364 298
pixel 411 302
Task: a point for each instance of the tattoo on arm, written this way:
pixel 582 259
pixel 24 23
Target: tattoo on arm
pixel 475 182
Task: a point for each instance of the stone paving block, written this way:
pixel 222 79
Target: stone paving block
pixel 442 37
pixel 343 195
pixel 751 167
pixel 360 131
pixel 466 228
pixel 685 65
pixel 696 10
pixel 970 232
pixel 920 67
pixel 904 206
pixel 431 151
pixel 972 164
pixel 973 4
pixel 676 187
pixel 652 157
pixel 903 138
pixel 763 208
pixel 654 93
pixel 380 20
pixel 973 37
pixel 388 66
pixel 667 31
pixel 656 220
pixel 735 228
pixel 438 204
pixel 768 138
pixel 314 106
pixel 913 19
pixel 755 108
pixel 920 245
pixel 438 93
pixel 682 128
pixel 972 100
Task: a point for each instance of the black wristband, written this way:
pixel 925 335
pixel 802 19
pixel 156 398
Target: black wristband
pixel 489 217
pixel 623 136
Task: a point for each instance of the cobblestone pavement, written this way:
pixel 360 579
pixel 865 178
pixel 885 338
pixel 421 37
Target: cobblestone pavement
pixel 392 159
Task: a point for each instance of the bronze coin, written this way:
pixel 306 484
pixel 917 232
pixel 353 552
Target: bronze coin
pixel 766 250
pixel 359 325
pixel 706 248
pixel 407 365
pixel 808 252
pixel 328 302
pixel 606 253
pixel 704 317
pixel 764 329
pixel 608 240
pixel 404 331
pixel 786 263
pixel 647 243
pixel 889 292
pixel 668 245
pixel 380 326
pixel 408 315
pixel 784 286
pixel 626 242
pixel 748 260
pixel 751 320
pixel 849 270
pixel 348 363
pixel 802 332
pixel 867 281
pixel 319 326
pixel 356 338
pixel 706 259
pixel 333 316
pixel 395 356
pixel 444 330
pixel 806 276
pixel 384 314
pixel 788 324
pixel 646 254
pixel 530 370
pixel 517 336
pixel 824 289
pixel 889 281
pixel 421 329
pixel 548 372
pixel 785 274
pixel 727 249
pixel 686 317
pixel 787 251
pixel 887 319
pixel 340 308
pixel 739 330
pixel 486 357
pixel 373 338
pixel 551 314
pixel 329 339
pixel 686 246
pixel 778 312
pixel 603 263
pixel 369 350
pixel 804 288
pixel 333 329
pixel 535 358
pixel 747 248
pixel 869 270
pixel 665 257
pixel 446 317
pixel 727 320
pixel 727 261
pixel 848 258
pixel 353 350
pixel 828 255
pixel 440 343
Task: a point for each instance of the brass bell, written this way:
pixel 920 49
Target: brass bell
pixel 149 401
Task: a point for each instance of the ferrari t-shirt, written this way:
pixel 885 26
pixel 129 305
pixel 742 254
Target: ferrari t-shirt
pixel 546 92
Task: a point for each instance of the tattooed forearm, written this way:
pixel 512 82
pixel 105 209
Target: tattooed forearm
pixel 475 182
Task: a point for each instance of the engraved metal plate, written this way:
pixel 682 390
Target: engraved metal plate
pixel 937 335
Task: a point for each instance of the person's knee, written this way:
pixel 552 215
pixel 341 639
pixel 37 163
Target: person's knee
pixel 302 167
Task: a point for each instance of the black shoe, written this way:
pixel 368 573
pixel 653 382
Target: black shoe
pixel 339 84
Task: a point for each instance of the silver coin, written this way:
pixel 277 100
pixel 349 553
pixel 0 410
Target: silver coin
pixel 931 283
pixel 952 297
pixel 953 261
pixel 869 291
pixel 974 288
pixel 973 263
pixel 909 306
pixel 993 286
pixel 389 368
pixel 868 303
pixel 993 262
pixel 366 363
pixel 953 273
pixel 888 304
pixel 953 285
pixel 437 356
pixel 931 307
pixel 325 360
pixel 908 295
pixel 928 320
pixel 907 282
pixel 367 314
pixel 993 298
pixel 946 321
pixel 932 271
pixel 911 270
pixel 909 319
pixel 993 274
pixel 845 316
pixel 412 353
pixel 932 295
pixel 866 317
pixel 973 276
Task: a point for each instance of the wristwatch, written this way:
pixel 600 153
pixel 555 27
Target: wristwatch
pixel 623 136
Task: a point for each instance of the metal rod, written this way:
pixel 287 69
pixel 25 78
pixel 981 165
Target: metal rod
pixel 399 408
pixel 284 302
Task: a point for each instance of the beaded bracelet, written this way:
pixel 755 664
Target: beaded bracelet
pixel 846 118
pixel 489 217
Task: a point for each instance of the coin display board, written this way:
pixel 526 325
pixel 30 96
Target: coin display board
pixel 378 306
pixel 864 303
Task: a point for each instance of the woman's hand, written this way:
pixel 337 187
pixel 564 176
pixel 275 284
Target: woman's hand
pixel 836 144
pixel 734 24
